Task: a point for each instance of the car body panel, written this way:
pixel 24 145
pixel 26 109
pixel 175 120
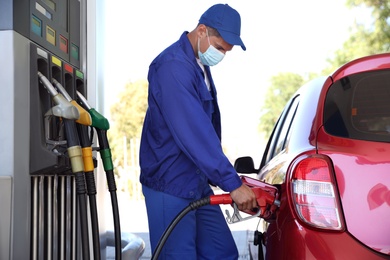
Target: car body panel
pixel 363 175
pixel 361 169
pixel 290 240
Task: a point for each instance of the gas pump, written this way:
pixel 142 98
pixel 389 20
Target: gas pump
pixel 45 136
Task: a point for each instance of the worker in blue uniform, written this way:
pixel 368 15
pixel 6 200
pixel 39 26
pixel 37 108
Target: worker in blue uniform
pixel 180 152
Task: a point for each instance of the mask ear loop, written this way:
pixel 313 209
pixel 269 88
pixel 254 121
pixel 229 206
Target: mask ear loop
pixel 199 46
pixel 208 37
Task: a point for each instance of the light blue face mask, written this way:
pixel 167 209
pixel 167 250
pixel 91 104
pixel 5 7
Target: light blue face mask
pixel 211 56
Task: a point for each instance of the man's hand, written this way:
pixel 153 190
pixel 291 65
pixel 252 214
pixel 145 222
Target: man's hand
pixel 244 197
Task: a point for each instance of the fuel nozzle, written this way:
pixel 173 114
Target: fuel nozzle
pixel 63 107
pixel 266 196
pixel 98 120
pixel 84 118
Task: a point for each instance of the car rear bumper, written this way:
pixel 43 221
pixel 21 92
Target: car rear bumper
pixel 293 241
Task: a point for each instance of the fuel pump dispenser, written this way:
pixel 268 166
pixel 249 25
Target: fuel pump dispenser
pixel 45 134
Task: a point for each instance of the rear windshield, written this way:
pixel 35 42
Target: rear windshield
pixel 358 107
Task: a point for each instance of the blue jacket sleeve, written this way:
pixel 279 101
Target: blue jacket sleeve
pixel 181 104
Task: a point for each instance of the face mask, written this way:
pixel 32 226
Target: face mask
pixel 212 56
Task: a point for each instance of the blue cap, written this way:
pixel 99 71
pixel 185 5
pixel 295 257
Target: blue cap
pixel 226 21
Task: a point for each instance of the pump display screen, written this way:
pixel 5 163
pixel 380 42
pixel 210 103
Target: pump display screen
pixel 50 4
pixel 43 11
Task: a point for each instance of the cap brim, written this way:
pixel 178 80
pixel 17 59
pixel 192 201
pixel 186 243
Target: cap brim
pixel 232 38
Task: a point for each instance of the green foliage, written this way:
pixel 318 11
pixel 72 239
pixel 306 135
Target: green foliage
pixel 282 87
pixel 127 116
pixel 373 37
pixel 128 113
pixel 365 39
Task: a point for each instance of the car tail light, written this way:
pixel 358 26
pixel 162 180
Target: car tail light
pixel 315 195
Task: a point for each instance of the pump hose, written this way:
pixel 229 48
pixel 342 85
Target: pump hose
pixel 91 186
pixel 115 213
pixel 75 155
pixel 105 154
pixel 80 189
pixel 101 125
pixel 192 206
pixel 91 190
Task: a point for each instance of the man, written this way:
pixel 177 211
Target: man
pixel 181 153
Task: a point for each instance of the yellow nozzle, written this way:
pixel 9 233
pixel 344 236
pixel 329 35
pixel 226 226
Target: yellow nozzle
pixel 85 117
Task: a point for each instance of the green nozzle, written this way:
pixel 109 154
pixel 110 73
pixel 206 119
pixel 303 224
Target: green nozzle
pixel 98 120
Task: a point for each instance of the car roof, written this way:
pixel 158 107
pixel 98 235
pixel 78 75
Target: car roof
pixel 367 63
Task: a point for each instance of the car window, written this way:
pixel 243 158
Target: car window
pixel 282 137
pixel 277 141
pixel 358 107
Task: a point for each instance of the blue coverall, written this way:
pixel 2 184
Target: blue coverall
pixel 181 154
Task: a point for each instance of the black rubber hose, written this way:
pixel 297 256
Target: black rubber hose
pixel 108 167
pixel 115 213
pixel 103 140
pixel 72 140
pixel 80 189
pixel 91 191
pixel 193 205
pixel 83 135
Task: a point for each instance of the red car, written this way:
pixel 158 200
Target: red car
pixel 329 155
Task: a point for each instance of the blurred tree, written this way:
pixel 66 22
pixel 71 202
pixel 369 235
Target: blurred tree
pixel 282 87
pixel 372 37
pixel 365 39
pixel 128 113
pixel 127 116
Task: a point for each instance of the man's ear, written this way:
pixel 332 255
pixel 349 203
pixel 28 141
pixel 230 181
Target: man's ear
pixel 201 30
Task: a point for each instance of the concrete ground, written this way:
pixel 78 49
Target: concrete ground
pixel 241 238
